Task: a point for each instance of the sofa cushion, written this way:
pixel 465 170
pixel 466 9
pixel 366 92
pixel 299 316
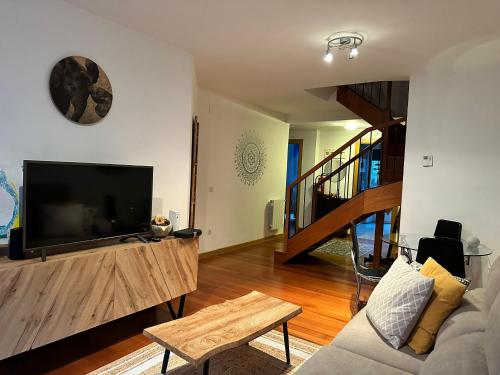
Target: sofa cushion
pixel 360 337
pixel 493 282
pixel 331 360
pixel 492 338
pixel 462 280
pixel 463 356
pixel 446 297
pixel 397 302
pixel 470 317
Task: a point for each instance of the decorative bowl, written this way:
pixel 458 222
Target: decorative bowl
pixel 161 230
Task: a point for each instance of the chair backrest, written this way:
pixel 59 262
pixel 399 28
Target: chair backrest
pixel 448 252
pixel 448 229
pixel 355 246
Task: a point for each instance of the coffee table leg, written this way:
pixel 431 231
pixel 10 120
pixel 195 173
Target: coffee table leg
pixel 165 361
pixel 287 345
pixel 206 367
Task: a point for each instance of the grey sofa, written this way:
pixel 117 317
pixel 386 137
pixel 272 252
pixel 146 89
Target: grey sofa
pixel 468 342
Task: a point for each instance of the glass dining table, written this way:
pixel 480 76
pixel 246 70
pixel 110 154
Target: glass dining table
pixel 409 241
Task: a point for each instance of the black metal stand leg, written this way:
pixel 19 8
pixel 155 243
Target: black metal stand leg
pixel 171 310
pixel 181 306
pixel 180 311
pixel 287 345
pixel 206 367
pixel 165 361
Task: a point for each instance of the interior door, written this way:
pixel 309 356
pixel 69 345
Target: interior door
pixel 293 171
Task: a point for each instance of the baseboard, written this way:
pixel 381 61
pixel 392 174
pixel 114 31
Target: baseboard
pixel 240 246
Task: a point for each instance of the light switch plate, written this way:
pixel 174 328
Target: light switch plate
pixel 427 161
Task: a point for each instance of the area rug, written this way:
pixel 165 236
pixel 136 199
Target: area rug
pixel 264 355
pixel 341 247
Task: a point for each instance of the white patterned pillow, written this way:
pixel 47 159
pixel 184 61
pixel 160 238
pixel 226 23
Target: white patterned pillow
pixel 397 302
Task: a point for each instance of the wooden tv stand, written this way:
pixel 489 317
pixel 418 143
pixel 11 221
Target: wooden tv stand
pixel 42 302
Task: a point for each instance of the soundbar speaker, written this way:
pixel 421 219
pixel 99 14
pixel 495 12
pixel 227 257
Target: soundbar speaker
pixel 16 244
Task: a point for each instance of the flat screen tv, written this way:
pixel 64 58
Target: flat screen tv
pixel 80 203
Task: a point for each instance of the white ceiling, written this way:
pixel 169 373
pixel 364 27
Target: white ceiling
pixel 268 52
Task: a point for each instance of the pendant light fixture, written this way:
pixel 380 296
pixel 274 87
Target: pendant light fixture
pixel 349 41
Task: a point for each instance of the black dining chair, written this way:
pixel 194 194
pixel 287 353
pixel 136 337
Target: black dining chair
pixel 361 272
pixel 448 229
pixel 448 252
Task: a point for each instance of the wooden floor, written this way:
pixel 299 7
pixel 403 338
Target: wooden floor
pixel 325 290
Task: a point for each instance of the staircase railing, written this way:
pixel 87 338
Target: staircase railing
pixel 377 93
pixel 342 175
pixel 389 96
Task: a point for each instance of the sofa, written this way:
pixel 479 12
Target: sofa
pixel 468 342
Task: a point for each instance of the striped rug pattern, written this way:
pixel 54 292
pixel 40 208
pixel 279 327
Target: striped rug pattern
pixel 264 355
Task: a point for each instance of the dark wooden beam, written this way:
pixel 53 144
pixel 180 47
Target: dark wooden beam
pixel 360 106
pixel 379 232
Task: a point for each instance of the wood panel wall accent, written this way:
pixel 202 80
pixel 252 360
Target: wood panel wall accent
pixel 41 302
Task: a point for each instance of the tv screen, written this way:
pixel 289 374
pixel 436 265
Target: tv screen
pixel 67 203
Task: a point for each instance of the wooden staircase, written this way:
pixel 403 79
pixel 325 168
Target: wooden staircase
pixel 362 177
pixel 369 202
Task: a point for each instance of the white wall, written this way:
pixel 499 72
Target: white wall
pixel 454 115
pixel 309 145
pixel 317 141
pixel 233 212
pixel 149 122
pixel 332 139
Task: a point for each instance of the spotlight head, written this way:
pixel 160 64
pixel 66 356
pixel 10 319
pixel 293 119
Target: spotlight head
pixel 353 53
pixel 328 57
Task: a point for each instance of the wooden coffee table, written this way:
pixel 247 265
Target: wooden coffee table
pixel 217 328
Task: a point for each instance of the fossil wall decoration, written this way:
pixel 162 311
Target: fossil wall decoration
pixel 80 90
pixel 250 157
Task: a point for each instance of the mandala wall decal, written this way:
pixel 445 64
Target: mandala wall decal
pixel 250 157
pixel 80 90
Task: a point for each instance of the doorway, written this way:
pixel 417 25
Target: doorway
pixel 294 161
pixel 294 171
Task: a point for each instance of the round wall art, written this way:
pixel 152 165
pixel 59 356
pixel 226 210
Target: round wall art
pixel 250 158
pixel 80 90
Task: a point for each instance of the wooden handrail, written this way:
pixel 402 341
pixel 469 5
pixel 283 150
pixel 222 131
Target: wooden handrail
pixel 349 162
pixel 342 148
pixel 322 163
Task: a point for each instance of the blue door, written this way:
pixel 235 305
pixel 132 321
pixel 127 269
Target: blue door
pixel 293 171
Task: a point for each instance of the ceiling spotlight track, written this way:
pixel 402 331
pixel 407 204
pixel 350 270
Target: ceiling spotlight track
pixel 343 41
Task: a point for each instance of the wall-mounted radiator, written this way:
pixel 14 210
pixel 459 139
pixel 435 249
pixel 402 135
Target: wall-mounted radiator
pixel 276 214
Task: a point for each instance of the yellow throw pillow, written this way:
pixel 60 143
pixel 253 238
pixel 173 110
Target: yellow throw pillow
pixel 446 297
